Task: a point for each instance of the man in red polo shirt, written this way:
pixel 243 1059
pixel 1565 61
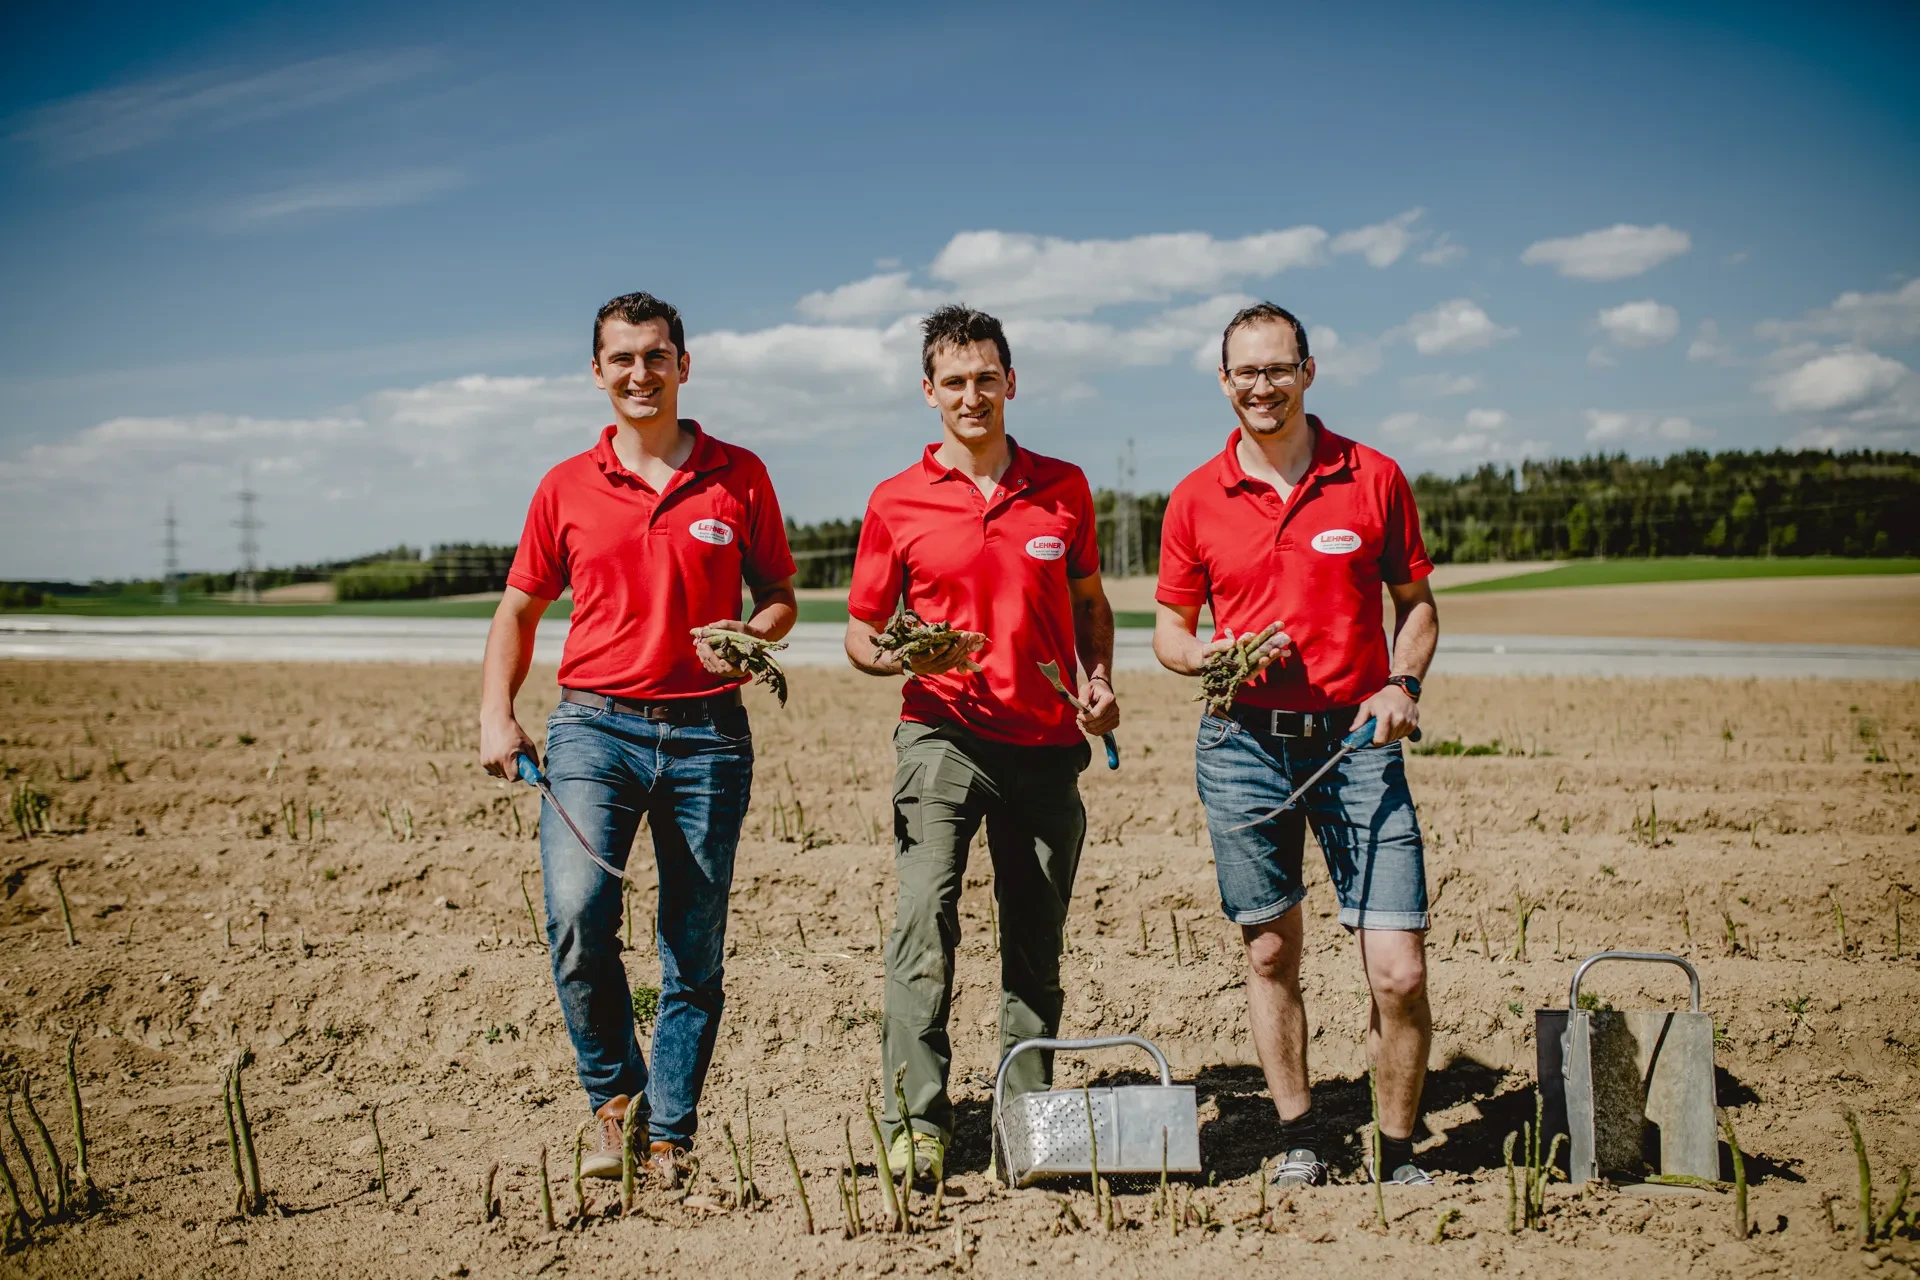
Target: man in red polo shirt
pixel 999 542
pixel 653 528
pixel 1296 528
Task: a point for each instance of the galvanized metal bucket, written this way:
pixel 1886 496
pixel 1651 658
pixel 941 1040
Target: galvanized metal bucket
pixel 1630 1088
pixel 1131 1129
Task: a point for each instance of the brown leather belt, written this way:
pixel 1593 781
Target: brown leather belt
pixel 1332 724
pixel 675 711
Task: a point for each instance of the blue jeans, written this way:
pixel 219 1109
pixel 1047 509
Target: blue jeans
pixel 1362 815
pixel 692 782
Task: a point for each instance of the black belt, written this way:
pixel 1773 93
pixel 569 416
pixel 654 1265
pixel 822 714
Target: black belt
pixel 676 711
pixel 1332 725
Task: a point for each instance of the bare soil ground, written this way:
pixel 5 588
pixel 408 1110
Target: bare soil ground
pixel 1863 610
pixel 380 953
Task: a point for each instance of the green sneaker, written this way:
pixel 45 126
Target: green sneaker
pixel 926 1154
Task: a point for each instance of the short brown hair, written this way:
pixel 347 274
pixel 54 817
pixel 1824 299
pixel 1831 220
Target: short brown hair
pixel 637 308
pixel 1256 314
pixel 960 326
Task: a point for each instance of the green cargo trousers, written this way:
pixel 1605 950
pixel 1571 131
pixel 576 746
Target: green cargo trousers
pixel 948 780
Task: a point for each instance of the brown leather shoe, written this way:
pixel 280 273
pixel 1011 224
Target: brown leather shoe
pixel 604 1161
pixel 666 1164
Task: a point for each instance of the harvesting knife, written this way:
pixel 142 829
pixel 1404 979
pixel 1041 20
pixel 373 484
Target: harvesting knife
pixel 530 772
pixel 1052 670
pixel 1358 738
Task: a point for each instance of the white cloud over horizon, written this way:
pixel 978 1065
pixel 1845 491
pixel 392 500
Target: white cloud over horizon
pixel 1613 253
pixel 1610 427
pixel 1456 326
pixel 1639 324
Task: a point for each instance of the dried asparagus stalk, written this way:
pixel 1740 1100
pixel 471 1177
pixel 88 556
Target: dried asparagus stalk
pixel 909 635
pixel 749 653
pixel 1224 672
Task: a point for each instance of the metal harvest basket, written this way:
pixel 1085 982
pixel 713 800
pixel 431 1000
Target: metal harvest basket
pixel 1631 1088
pixel 1135 1128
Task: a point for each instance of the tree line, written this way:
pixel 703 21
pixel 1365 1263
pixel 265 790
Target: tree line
pixel 1734 503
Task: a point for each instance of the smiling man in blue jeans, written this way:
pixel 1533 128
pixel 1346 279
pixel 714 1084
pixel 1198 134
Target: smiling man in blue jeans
pixel 1295 528
pixel 654 529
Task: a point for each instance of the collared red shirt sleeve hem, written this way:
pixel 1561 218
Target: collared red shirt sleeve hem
pixel 1182 580
pixel 877 573
pixel 539 568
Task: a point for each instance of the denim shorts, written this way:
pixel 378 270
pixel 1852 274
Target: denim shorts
pixel 1361 812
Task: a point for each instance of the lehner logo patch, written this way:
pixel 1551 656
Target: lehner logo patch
pixel 1337 542
pixel 1047 548
pixel 718 532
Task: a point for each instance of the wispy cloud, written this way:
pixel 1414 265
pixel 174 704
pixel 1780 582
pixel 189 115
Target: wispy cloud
pixel 1645 323
pixel 1612 253
pixel 110 121
pixel 269 207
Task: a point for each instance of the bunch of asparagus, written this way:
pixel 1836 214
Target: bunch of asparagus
pixel 749 653
pixel 909 635
pixel 1222 674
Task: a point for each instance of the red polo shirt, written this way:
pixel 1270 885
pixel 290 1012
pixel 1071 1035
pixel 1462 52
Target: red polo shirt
pixel 647 567
pixel 1314 563
pixel 998 567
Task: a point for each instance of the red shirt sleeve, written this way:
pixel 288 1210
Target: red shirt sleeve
pixel 766 557
pixel 539 564
pixel 1183 579
pixel 1083 553
pixel 877 572
pixel 1404 557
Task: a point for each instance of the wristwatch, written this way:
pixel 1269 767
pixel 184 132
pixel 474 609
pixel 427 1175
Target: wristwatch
pixel 1410 684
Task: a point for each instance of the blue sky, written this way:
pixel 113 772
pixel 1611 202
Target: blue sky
pixel 354 251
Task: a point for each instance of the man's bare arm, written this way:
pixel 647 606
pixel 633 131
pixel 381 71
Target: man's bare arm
pixel 774 612
pixel 1093 642
pixel 1177 644
pixel 865 657
pixel 1416 630
pixel 502 671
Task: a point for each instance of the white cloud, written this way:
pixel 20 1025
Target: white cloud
pixel 1600 358
pixel 1383 243
pixel 1459 325
pixel 1865 318
pixel 1439 385
pixel 1344 362
pixel 1606 427
pixel 1614 253
pixel 1640 324
pixel 1833 381
pixel 369 193
pixel 1486 419
pixel 1444 252
pixel 109 121
pixel 1045 275
pixel 1707 344
pixel 1401 424
pixel 885 295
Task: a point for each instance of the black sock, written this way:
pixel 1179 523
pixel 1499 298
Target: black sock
pixel 1394 1152
pixel 1301 1131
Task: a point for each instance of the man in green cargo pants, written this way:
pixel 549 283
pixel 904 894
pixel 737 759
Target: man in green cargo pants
pixel 997 541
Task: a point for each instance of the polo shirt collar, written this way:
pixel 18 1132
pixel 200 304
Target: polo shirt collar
pixel 708 455
pixel 1331 453
pixel 1015 479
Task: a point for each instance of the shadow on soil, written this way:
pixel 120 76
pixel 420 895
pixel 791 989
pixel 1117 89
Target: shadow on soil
pixel 1242 1133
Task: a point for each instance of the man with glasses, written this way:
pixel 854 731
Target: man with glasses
pixel 1292 530
pixel 654 529
pixel 999 542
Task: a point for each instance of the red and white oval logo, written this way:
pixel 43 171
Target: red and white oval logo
pixel 1337 542
pixel 718 532
pixel 1047 548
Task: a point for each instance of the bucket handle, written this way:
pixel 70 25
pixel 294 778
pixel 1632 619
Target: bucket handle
pixel 1655 957
pixel 1098 1042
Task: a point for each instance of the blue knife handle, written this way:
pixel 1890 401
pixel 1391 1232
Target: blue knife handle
pixel 1113 751
pixel 528 770
pixel 1364 735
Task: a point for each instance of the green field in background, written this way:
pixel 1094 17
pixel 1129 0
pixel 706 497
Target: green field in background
pixel 132 606
pixel 1603 573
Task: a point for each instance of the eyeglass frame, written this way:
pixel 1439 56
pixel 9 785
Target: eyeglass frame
pixel 1293 375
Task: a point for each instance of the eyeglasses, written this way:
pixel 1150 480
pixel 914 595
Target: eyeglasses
pixel 1278 375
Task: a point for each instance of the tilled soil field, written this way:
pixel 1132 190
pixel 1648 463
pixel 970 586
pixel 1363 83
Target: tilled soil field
pixel 307 863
